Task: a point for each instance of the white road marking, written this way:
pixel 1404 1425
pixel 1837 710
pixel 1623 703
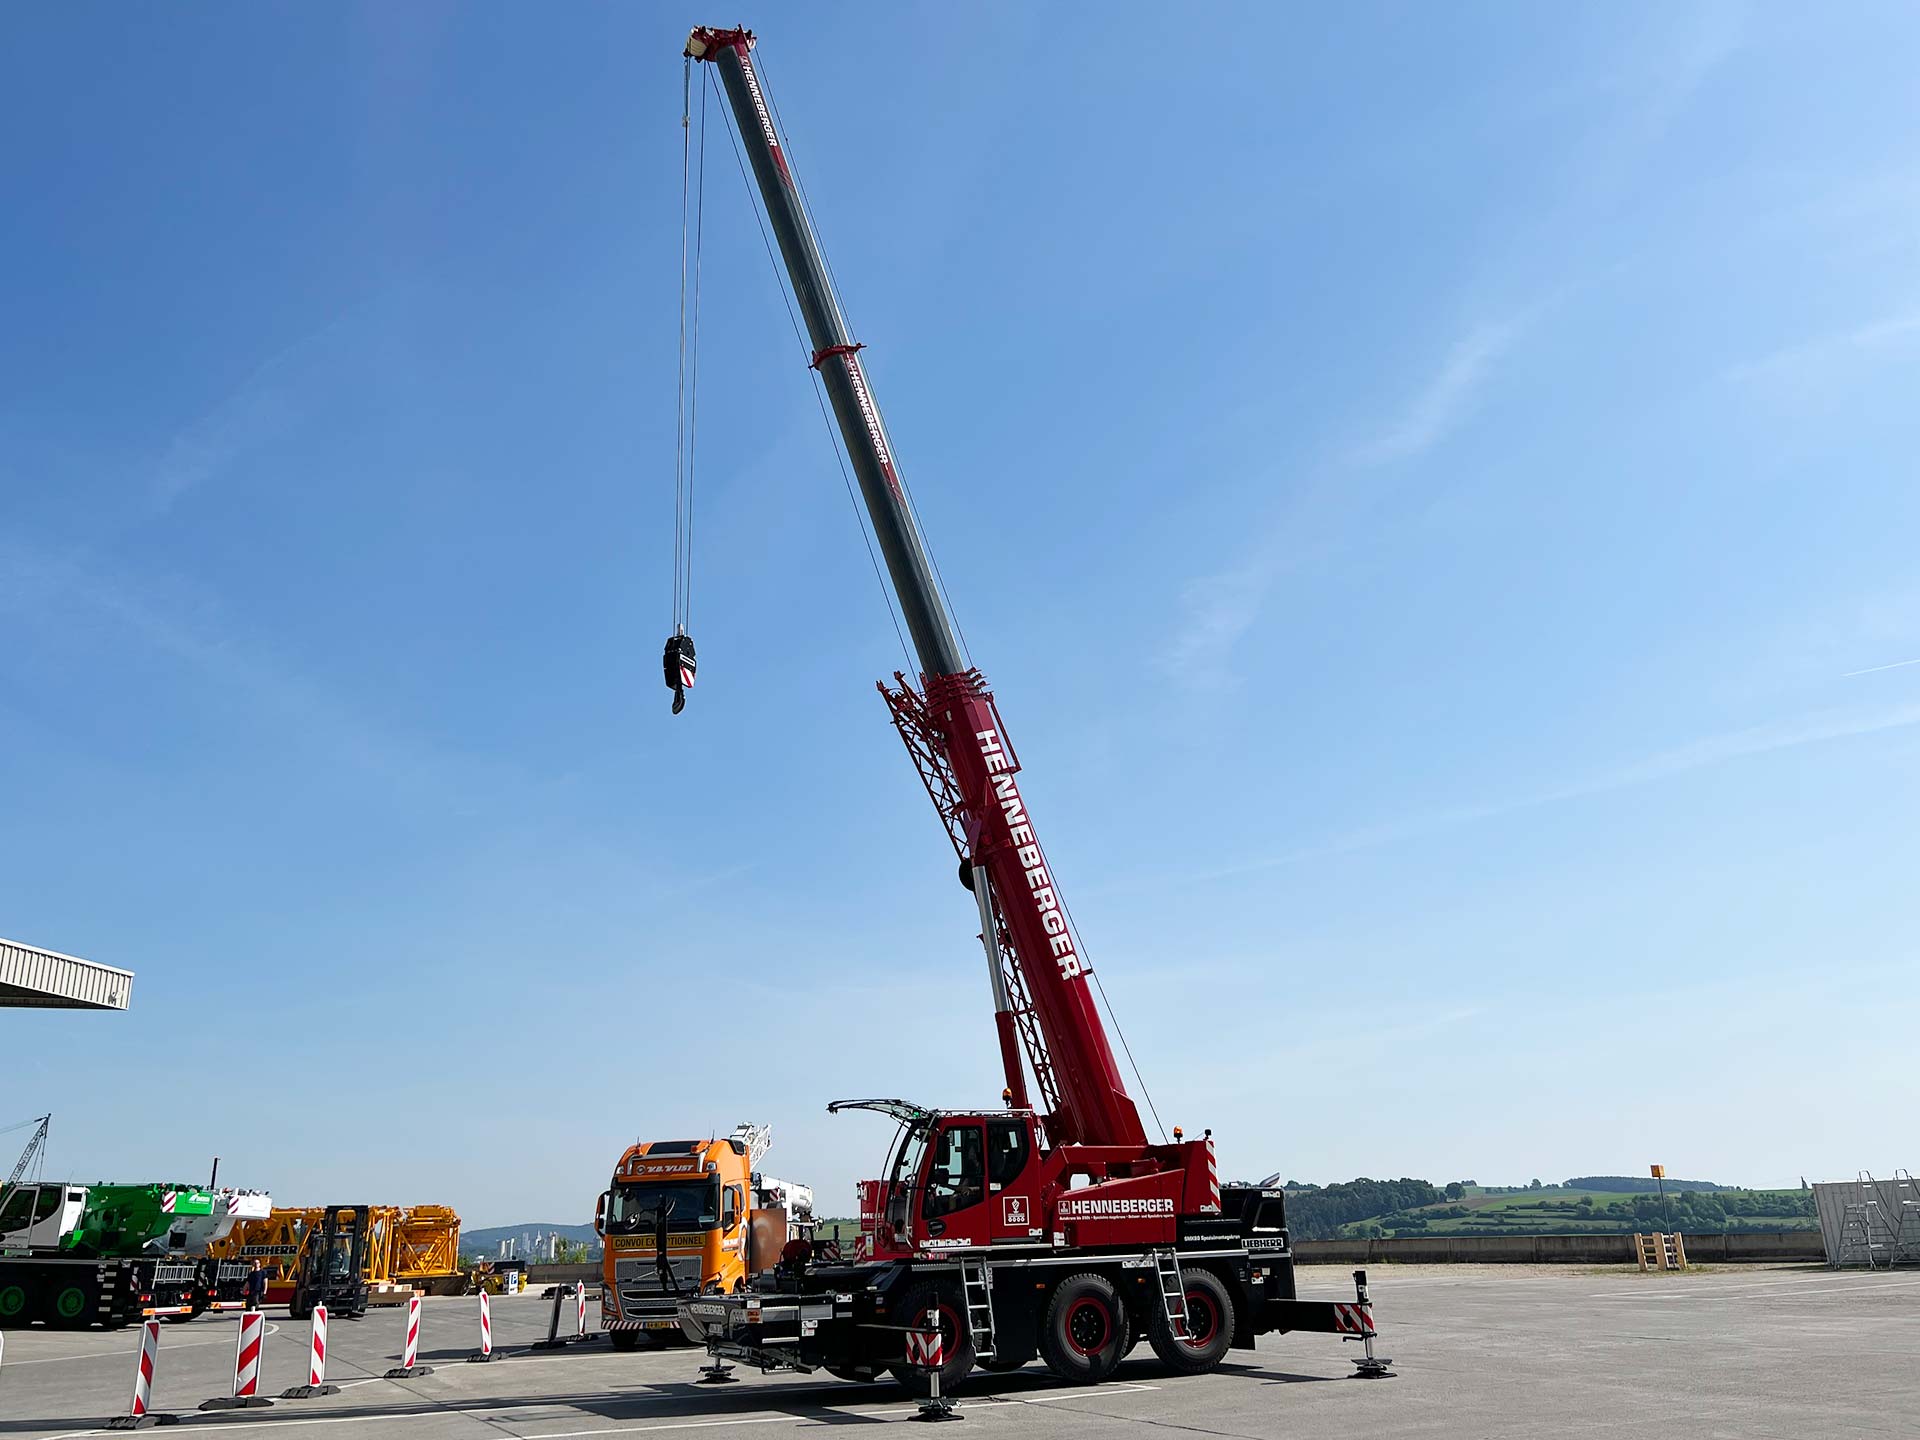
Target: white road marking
pixel 688 1425
pixel 1118 1387
pixel 1793 1287
pixel 122 1351
pixel 487 1411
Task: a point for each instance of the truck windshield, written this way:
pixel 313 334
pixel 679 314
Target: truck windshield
pixel 692 1205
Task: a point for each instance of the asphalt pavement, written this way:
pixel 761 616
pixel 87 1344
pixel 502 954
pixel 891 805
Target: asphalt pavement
pixel 1479 1351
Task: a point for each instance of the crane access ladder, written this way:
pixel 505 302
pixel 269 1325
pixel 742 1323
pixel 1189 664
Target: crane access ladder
pixel 976 1290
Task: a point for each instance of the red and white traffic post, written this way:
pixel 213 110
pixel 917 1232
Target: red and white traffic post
pixel 409 1365
pixel 316 1363
pixel 580 1323
pixel 247 1351
pixel 141 1406
pixel 485 1352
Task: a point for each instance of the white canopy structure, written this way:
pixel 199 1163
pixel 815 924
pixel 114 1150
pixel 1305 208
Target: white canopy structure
pixel 30 976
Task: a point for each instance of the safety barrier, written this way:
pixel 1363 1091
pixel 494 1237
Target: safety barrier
pixel 316 1363
pixel 409 1367
pixel 246 1366
pixel 485 1352
pixel 554 1338
pixel 927 1350
pixel 148 1362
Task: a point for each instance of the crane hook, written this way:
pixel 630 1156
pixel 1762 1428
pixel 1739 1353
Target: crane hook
pixel 678 664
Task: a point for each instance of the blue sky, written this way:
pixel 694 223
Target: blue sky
pixel 1434 493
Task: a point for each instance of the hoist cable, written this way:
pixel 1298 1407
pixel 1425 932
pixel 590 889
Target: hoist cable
pixel 680 395
pixel 839 306
pixel 693 365
pixel 1113 1017
pixel 833 434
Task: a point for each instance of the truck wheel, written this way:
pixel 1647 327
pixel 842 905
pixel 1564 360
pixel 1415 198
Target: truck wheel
pixel 954 1341
pixel 1209 1326
pixel 13 1303
pixel 624 1339
pixel 69 1306
pixel 1086 1330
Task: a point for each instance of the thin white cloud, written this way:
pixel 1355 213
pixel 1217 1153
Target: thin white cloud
pixel 1876 669
pixel 262 405
pixel 1816 728
pixel 1807 358
pixel 1446 398
pixel 1217 610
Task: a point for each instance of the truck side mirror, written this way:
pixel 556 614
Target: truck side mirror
pixel 600 1215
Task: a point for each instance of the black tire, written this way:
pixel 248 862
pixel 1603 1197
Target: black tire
pixel 16 1304
pixel 624 1339
pixel 299 1307
pixel 1086 1330
pixel 69 1305
pixel 956 1345
pixel 1209 1326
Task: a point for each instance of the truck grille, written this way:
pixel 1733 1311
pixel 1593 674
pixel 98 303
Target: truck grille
pixel 640 1287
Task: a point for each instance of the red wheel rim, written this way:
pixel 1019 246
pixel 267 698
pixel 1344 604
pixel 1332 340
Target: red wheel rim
pixel 1089 1326
pixel 1203 1321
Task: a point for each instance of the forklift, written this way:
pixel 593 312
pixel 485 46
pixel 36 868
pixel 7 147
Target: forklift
pixel 333 1265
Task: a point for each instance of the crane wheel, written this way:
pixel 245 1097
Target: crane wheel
pixel 1086 1330
pixel 1209 1326
pixel 13 1303
pixel 69 1306
pixel 955 1342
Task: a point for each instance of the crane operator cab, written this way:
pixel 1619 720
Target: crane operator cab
pixel 957 1179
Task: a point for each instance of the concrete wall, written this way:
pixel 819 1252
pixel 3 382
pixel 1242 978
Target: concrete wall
pixel 1779 1246
pixel 561 1274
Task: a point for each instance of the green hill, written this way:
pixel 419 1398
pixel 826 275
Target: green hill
pixel 1564 1210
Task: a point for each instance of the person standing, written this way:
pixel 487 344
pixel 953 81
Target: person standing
pixel 254 1287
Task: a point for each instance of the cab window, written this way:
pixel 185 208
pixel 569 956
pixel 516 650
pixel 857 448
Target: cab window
pixel 49 1201
pixel 730 1208
pixel 957 1173
pixel 14 1215
pixel 1007 1150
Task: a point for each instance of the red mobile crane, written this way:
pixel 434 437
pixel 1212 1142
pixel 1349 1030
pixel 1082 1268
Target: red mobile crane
pixel 1058 1229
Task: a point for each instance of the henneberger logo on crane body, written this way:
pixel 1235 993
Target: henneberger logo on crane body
pixel 1130 1205
pixel 1027 851
pixel 767 132
pixel 870 417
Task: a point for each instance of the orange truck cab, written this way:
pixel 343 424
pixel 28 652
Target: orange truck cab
pixel 722 1221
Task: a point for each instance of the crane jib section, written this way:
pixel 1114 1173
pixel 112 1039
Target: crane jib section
pixel 1093 1107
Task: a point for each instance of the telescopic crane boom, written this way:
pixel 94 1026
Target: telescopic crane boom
pixel 951 724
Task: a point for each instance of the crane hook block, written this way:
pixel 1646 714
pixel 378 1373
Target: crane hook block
pixel 679 666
